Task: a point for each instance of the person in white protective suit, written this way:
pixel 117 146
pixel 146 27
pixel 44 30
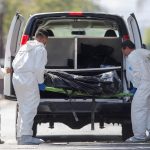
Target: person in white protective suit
pixel 138 62
pixel 28 77
pixel 3 72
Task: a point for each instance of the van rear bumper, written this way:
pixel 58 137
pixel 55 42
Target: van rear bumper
pixel 77 114
pixel 103 106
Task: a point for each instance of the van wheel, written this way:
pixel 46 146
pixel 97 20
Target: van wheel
pixel 126 130
pixel 34 128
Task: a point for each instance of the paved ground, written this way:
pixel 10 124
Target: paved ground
pixel 62 137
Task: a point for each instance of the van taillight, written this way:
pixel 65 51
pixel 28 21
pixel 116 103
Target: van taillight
pixel 75 14
pixel 126 37
pixel 24 39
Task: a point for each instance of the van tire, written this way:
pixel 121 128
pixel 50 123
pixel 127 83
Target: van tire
pixel 34 128
pixel 126 130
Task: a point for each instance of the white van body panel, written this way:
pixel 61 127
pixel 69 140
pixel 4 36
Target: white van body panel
pixel 12 45
pixel 135 35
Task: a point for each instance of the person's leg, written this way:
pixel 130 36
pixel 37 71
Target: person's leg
pixel 148 124
pixel 139 115
pixel 139 111
pixel 28 97
pixel 1 141
pixel 148 114
pixel 28 109
pixel 18 124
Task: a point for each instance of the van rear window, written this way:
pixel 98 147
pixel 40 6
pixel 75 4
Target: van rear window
pixel 79 27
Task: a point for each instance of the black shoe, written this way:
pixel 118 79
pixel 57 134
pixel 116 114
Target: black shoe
pixel 1 142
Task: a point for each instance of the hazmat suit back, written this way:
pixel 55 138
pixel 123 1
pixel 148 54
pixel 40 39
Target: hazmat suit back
pixel 138 62
pixel 29 65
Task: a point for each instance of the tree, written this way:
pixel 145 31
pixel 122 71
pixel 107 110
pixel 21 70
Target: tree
pixel 27 7
pixel 147 38
pixel 8 8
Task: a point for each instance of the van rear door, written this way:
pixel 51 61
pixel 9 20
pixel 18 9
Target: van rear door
pixel 135 37
pixel 12 45
pixel 134 31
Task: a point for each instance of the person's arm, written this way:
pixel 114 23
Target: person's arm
pixel 41 61
pixel 4 71
pixel 134 69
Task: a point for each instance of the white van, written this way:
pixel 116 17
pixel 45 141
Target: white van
pixel 69 50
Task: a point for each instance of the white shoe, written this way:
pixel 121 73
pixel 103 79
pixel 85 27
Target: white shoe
pixel 133 139
pixel 29 140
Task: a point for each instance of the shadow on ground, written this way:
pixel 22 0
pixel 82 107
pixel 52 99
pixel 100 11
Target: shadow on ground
pixel 82 138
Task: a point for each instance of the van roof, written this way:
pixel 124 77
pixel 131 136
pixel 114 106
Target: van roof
pixel 74 15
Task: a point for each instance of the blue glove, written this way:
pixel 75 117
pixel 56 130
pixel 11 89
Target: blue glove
pixel 42 87
pixel 133 90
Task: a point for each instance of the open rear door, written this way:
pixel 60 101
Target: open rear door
pixel 135 37
pixel 12 45
pixel 134 31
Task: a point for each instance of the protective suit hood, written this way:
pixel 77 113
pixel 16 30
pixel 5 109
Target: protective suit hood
pixel 31 57
pixel 31 45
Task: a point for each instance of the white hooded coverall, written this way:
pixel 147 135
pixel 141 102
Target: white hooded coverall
pixel 29 65
pixel 138 62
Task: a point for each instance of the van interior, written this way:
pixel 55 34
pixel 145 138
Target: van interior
pixel 81 43
pixel 82 46
pixel 83 52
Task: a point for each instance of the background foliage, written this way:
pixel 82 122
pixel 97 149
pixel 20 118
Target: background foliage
pixel 27 7
pixel 147 38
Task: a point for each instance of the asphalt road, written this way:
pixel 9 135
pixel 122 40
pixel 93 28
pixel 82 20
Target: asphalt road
pixel 62 137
